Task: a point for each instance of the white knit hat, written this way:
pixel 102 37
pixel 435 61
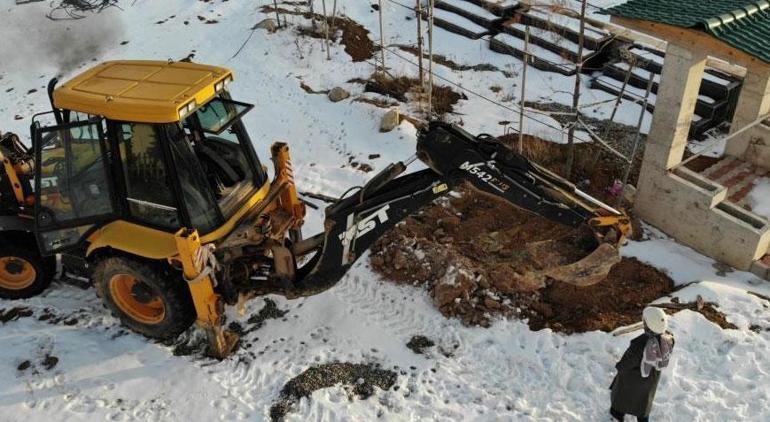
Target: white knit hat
pixel 655 319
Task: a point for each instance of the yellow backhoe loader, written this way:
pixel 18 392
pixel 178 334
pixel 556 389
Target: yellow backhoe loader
pixel 144 180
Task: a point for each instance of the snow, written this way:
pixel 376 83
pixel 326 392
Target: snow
pixel 552 37
pixel 534 50
pixel 641 73
pixel 471 8
pixel 458 20
pixel 716 79
pixel 759 197
pixel 573 24
pixel 506 372
pixel 647 55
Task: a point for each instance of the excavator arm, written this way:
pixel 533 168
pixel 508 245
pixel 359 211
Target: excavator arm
pixel 453 157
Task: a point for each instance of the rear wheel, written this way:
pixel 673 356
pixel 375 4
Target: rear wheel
pixel 23 272
pixel 147 297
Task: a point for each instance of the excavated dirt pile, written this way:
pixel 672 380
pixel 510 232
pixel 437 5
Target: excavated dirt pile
pixel 470 251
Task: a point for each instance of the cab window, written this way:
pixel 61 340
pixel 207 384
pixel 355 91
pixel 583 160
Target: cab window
pixel 225 152
pixel 149 194
pixel 73 175
pixel 203 211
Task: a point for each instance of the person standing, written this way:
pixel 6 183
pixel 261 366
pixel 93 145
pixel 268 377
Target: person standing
pixel 634 386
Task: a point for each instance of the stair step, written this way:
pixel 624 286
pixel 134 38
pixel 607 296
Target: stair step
pixel 502 8
pixel 541 58
pixel 468 10
pixel 549 40
pixel 569 27
pixel 453 22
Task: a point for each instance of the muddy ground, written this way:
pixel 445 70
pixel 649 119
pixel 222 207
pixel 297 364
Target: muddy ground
pixel 470 251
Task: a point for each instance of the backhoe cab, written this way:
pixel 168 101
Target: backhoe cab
pixel 147 180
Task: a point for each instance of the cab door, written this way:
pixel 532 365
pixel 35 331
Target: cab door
pixel 73 190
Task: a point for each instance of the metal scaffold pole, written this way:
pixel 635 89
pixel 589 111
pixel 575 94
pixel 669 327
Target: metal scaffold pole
pixel 576 94
pixel 523 90
pixel 430 58
pixel 419 42
pixel 382 38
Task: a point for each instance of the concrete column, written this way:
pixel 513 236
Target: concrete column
pixel 674 107
pixel 753 102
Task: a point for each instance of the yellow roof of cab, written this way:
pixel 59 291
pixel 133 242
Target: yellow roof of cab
pixel 140 90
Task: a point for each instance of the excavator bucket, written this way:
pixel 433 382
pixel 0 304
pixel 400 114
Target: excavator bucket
pixel 587 271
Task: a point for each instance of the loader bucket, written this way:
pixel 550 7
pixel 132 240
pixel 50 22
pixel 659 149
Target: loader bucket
pixel 587 271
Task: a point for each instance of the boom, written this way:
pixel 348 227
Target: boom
pixel 453 156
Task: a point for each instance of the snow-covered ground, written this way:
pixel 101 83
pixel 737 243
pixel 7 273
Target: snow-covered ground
pixel 506 372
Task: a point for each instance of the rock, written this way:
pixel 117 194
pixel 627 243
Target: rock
pixel 491 303
pixel 454 285
pixel 399 260
pixel 269 24
pixel 390 120
pixel 338 94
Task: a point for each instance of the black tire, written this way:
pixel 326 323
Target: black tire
pixel 24 258
pixel 157 280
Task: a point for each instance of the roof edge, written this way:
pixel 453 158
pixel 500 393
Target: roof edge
pixel 737 15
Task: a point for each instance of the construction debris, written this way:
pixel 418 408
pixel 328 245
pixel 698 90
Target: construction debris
pixel 76 9
pixel 390 120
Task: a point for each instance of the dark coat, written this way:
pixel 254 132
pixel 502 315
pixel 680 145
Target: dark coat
pixel 631 393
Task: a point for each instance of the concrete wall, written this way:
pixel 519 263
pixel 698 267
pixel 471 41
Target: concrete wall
pixel 754 102
pixel 680 202
pixel 694 214
pixel 757 152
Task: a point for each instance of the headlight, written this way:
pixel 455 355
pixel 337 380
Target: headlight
pixel 187 109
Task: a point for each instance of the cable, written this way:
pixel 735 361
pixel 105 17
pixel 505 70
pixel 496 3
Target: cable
pixel 560 129
pixel 403 5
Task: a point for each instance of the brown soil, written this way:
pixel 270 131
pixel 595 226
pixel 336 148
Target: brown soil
pixel 356 40
pixel 594 179
pixel 469 252
pixel 707 309
pixel 354 36
pixel 615 302
pixel 443 60
pixel 444 98
pixel 701 163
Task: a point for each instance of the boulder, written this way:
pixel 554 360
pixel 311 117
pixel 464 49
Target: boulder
pixel 269 24
pixel 338 94
pixel 390 120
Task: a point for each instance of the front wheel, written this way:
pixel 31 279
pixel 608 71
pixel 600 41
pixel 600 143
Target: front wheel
pixel 23 272
pixel 147 297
